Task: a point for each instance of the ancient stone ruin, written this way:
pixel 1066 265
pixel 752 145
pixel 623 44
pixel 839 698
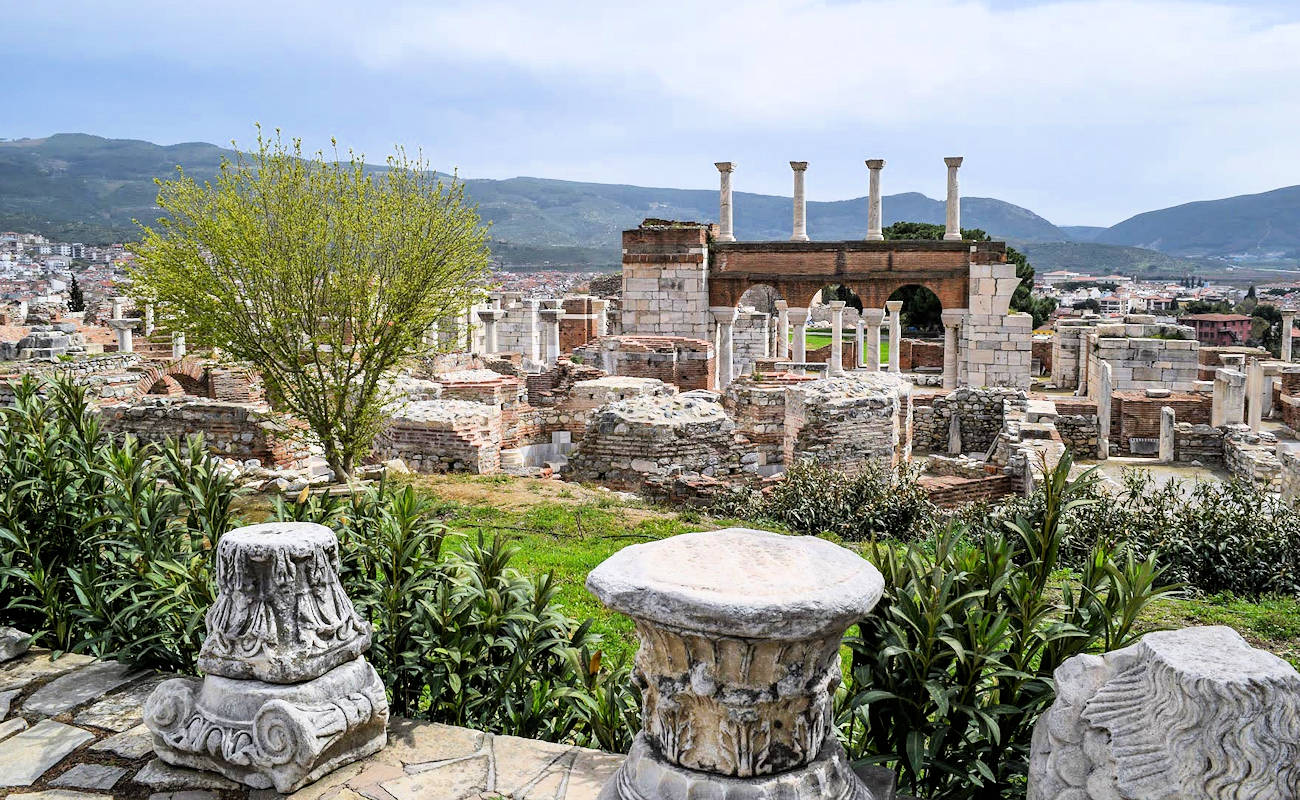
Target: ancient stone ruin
pixel 287 695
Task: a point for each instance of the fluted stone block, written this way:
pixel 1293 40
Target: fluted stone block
pixel 739 660
pixel 1193 714
pixel 288 696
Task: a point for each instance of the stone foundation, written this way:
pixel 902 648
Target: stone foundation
pixel 849 422
pixel 686 363
pixel 231 430
pixel 444 436
pixel 1203 443
pixel 981 414
pixel 1252 457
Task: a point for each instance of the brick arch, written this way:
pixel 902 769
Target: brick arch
pixel 178 377
pixel 875 294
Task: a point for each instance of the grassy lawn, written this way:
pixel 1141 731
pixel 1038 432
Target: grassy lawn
pixel 568 530
pixel 817 340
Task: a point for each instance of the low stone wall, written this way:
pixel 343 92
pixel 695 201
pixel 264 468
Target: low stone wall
pixel 231 430
pixel 586 397
pixel 758 408
pixel 913 353
pixel 686 363
pixel 980 413
pixel 1252 457
pixel 1140 360
pixel 444 436
pixel 1203 443
pixel 1078 433
pixel 850 421
pixel 1134 415
pixel 951 491
pixel 658 436
pixel 1290 479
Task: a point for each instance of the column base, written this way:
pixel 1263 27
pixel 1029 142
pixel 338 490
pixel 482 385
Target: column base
pixel 268 735
pixel 646 776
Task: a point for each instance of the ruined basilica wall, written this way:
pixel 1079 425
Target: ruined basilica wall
pixel 1068 343
pixel 998 349
pixel 686 363
pixel 444 436
pixel 750 338
pixel 1139 361
pixel 981 414
pixel 665 280
pixel 231 430
pixel 848 422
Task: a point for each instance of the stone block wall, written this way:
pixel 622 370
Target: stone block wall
pixel 1210 357
pixel 665 280
pixel 849 422
pixel 686 363
pixel 630 441
pixel 913 353
pixel 1078 433
pixel 1290 477
pixel 1069 341
pixel 1139 361
pixel 751 337
pixel 1203 443
pixel 584 398
pixel 580 323
pixel 981 414
pixel 231 430
pixel 520 330
pixel 997 348
pixel 444 436
pixel 1252 457
pixel 758 408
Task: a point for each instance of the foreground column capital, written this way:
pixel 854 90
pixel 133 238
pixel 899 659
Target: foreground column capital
pixel 740 633
pixel 287 695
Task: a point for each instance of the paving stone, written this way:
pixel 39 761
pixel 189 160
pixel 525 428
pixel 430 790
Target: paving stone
pixel 192 795
pixel 26 756
pixel 134 743
pixel 6 698
pixel 368 782
pixel 591 771
pixel 10 727
pixel 160 775
pixel 456 780
pixel 121 711
pixel 69 691
pixel 523 762
pixel 59 794
pixel 327 788
pixel 412 742
pixel 90 776
pixel 37 665
pixel 13 643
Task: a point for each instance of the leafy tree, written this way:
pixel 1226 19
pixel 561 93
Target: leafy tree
pixel 1042 308
pixel 76 300
pixel 1266 326
pixel 324 275
pixel 1020 301
pixel 1249 302
pixel 1206 307
pixel 1088 304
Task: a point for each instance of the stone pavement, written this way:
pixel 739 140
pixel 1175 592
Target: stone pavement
pixel 70 729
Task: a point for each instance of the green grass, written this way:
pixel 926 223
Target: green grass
pixel 567 530
pixel 814 341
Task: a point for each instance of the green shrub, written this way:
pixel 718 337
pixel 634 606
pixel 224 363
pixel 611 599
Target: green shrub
pixel 948 675
pixel 879 501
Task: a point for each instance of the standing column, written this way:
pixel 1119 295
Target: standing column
pixel 895 308
pixel 123 328
pixel 952 320
pixel 178 345
pixel 782 330
pixel 1255 394
pixel 874 317
pixel 116 305
pixel 799 319
pixel 952 225
pixel 861 360
pixel 800 211
pixel 874 233
pixel 551 329
pixel 601 309
pixel 1288 324
pixel 148 319
pixel 1103 411
pixel 836 364
pixel 489 317
pixel 725 317
pixel 532 324
pixel 725 233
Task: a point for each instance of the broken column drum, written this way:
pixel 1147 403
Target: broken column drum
pixel 739 661
pixel 288 695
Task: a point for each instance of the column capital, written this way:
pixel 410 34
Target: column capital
pixel 798 166
pixel 798 316
pixel 953 317
pixel 873 316
pixel 875 163
pixel 953 161
pixel 782 305
pixel 725 315
pixel 837 305
pixel 894 306
pixel 491 314
pixel 725 166
pixel 551 314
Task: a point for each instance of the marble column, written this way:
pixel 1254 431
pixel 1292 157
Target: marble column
pixel 861 343
pixel 895 308
pixel 874 233
pixel 1255 394
pixel 551 327
pixel 835 366
pixel 1228 404
pixel 799 319
pixel 1103 411
pixel 739 658
pixel 178 345
pixel 952 320
pixel 125 343
pixel 1288 324
pixel 532 330
pixel 952 223
pixel 800 206
pixel 1167 429
pixel 725 233
pixel 148 319
pixel 782 330
pixel 725 317
pixel 874 317
pixel 601 309
pixel 489 317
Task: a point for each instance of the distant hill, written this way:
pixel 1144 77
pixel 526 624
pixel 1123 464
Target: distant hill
pixel 1108 259
pixel 87 188
pixel 1254 226
pixel 1081 233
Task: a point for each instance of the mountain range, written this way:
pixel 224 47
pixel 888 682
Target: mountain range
pixel 79 187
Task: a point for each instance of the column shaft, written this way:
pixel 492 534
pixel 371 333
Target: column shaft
pixel 836 364
pixel 874 233
pixel 952 224
pixel 782 330
pixel 1288 324
pixel 800 210
pixel 895 308
pixel 725 233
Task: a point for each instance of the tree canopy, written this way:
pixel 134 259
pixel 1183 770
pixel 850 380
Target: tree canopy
pixel 324 275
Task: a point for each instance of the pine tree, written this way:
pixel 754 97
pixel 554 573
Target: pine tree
pixel 76 301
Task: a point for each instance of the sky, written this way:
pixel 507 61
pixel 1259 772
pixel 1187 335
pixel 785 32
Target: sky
pixel 1084 111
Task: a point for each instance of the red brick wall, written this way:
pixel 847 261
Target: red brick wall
pixel 1042 350
pixel 913 353
pixel 1135 414
pixel 950 491
pixel 822 355
pixel 579 323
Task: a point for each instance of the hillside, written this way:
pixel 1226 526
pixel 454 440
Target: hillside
pixel 1255 226
pixel 1108 259
pixel 86 188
